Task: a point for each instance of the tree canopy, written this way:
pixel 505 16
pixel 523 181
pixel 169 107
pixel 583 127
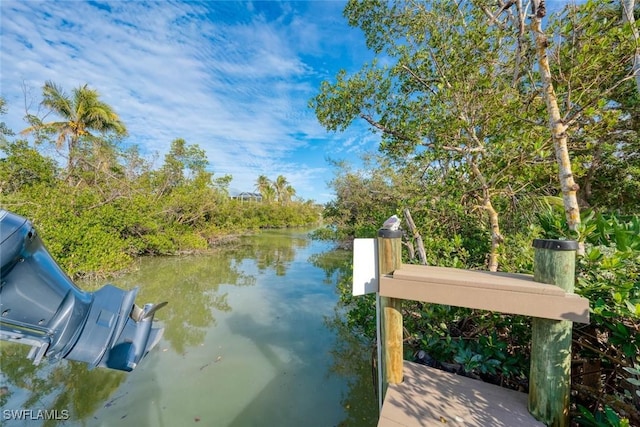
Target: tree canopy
pixel 499 124
pixel 108 205
pixel 458 95
pixel 80 116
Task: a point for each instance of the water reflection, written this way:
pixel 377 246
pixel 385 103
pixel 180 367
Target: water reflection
pixel 66 389
pixel 247 342
pixel 351 354
pixel 351 359
pixel 274 249
pixel 192 286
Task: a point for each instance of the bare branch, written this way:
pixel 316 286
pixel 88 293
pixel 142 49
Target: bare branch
pixel 385 129
pixel 419 79
pixel 493 18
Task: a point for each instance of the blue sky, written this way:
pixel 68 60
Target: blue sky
pixel 232 77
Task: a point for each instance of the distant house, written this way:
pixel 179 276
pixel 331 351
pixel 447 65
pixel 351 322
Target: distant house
pixel 246 196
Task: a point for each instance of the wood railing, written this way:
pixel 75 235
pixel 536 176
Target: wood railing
pixel 547 297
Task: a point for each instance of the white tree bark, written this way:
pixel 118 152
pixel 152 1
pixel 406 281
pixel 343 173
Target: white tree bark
pixel 627 16
pixel 492 215
pixel 556 125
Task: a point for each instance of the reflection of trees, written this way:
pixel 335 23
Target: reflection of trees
pixel 62 386
pixel 351 355
pixel 271 249
pixel 191 285
pixel 84 390
pixel 17 370
pixel 335 263
pixel 351 359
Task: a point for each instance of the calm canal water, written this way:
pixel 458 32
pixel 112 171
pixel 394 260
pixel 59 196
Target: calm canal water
pixel 252 338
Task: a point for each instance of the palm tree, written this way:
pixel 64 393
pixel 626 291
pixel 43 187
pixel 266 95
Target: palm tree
pixel 290 192
pixel 263 186
pixel 268 194
pixel 81 114
pixel 280 185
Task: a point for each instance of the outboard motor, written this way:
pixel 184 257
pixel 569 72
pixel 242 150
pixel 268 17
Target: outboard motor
pixel 41 306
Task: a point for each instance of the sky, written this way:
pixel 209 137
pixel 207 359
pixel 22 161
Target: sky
pixel 232 77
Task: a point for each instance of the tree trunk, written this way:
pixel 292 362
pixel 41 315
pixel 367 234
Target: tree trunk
pixel 556 125
pixel 492 214
pixel 627 16
pixel 416 235
pixel 72 146
pixel 411 249
pixel 496 237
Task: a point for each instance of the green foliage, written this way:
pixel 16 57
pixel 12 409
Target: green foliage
pixel 272 190
pixel 609 272
pixel 362 203
pixel 635 371
pixel 4 130
pixel 605 418
pixel 23 166
pixel 79 115
pixel 457 103
pixel 109 206
pixel 83 240
pixel 602 104
pixel 609 276
pixel 360 310
pixel 491 346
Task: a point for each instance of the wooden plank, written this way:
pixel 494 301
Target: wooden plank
pixel 487 279
pixel 430 397
pixel 547 306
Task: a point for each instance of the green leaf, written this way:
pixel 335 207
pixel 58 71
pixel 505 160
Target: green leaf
pixel 633 308
pixel 622 240
pixel 617 297
pixel 586 417
pixel 594 255
pixel 612 417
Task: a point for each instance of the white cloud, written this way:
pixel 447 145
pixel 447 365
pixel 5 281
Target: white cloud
pixel 231 77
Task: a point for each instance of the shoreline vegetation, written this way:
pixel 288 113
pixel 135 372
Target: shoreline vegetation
pixel 476 118
pixel 99 204
pixel 493 133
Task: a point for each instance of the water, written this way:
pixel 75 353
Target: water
pixel 252 338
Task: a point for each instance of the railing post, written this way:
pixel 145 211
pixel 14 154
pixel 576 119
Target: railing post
pixel 389 260
pixel 550 370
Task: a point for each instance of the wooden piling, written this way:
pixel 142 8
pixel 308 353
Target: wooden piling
pixel 550 371
pixel 389 260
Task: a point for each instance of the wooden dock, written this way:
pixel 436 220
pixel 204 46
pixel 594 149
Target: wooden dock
pixel 431 397
pixel 422 396
pixel 415 395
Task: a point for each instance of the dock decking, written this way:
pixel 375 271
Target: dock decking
pixel 420 396
pixel 431 397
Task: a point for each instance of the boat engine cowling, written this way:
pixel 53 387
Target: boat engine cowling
pixel 42 307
